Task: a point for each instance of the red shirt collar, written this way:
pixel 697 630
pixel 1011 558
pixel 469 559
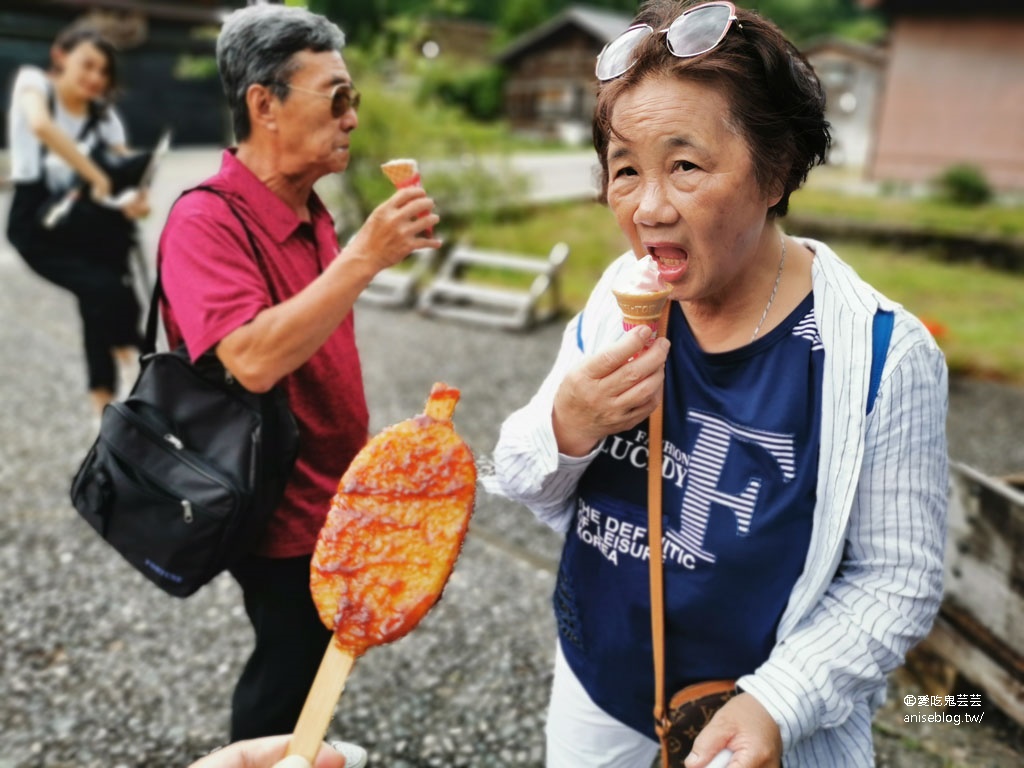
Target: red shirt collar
pixel 276 217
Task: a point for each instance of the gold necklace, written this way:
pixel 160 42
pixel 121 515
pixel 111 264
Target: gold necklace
pixel 775 288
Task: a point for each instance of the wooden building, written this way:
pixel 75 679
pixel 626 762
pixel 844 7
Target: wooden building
pixel 954 91
pixel 166 62
pixel 550 84
pixel 461 40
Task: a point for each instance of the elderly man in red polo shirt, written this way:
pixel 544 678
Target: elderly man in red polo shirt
pixel 294 107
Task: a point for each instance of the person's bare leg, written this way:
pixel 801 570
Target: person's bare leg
pixel 100 397
pixel 127 368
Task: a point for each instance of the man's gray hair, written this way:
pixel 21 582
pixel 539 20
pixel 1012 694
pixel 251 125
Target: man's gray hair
pixel 256 46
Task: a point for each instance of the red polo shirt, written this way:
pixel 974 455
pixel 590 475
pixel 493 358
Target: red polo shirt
pixel 213 286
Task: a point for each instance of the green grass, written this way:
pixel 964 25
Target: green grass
pixel 980 310
pixel 931 215
pixel 824 196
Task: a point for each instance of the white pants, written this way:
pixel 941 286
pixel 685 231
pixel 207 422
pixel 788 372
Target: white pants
pixel 582 735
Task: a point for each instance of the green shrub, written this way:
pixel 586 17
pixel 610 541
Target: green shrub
pixel 964 184
pixel 462 170
pixel 477 91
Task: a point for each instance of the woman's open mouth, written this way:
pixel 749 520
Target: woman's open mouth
pixel 670 258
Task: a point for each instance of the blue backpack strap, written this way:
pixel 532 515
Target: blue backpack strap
pixel 881 333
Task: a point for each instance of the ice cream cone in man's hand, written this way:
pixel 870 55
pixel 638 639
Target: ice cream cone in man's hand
pixel 404 172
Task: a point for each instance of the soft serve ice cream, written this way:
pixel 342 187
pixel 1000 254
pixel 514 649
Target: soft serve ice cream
pixel 640 277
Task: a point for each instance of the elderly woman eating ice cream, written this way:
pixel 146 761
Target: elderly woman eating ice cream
pixel 803 477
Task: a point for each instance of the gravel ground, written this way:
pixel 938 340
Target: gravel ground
pixel 101 669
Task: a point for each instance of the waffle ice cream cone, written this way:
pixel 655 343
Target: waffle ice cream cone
pixel 641 308
pixel 402 172
pixel 641 294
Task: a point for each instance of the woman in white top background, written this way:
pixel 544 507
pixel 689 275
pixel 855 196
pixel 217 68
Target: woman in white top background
pixel 56 118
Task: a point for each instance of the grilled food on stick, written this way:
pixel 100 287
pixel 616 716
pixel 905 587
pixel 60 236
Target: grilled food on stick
pixel 387 548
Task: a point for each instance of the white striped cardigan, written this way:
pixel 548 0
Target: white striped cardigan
pixel 872 581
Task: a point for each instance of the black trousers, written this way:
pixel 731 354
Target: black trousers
pixel 90 261
pixel 290 642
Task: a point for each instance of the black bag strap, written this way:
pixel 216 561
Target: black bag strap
pixel 149 342
pixel 89 125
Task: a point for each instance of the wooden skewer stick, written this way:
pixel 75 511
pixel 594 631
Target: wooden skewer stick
pixel 320 703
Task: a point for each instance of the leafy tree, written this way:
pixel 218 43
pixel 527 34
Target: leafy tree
pixel 805 19
pixel 368 21
pixel 519 16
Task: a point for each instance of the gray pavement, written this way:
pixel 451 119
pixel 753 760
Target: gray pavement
pixel 98 668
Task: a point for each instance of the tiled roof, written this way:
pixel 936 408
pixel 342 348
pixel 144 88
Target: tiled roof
pixel 603 25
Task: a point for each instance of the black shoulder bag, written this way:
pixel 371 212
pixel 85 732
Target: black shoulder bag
pixel 187 470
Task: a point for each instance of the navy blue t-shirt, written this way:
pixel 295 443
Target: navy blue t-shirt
pixel 740 461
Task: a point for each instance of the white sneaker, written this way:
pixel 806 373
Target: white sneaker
pixel 355 756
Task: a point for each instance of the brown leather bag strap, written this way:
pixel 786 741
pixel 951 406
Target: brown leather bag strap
pixel 654 453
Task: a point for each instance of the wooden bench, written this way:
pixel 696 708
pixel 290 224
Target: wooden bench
pixel 397 286
pixel 979 632
pixel 451 295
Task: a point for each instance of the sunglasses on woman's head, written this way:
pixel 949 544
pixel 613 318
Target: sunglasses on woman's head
pixel 343 97
pixel 694 32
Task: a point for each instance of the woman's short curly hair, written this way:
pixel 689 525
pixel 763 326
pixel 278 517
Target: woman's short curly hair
pixel 776 101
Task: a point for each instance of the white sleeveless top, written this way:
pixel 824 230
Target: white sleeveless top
pixel 25 145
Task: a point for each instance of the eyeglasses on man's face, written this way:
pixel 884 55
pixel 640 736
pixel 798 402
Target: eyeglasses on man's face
pixel 696 31
pixel 343 97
